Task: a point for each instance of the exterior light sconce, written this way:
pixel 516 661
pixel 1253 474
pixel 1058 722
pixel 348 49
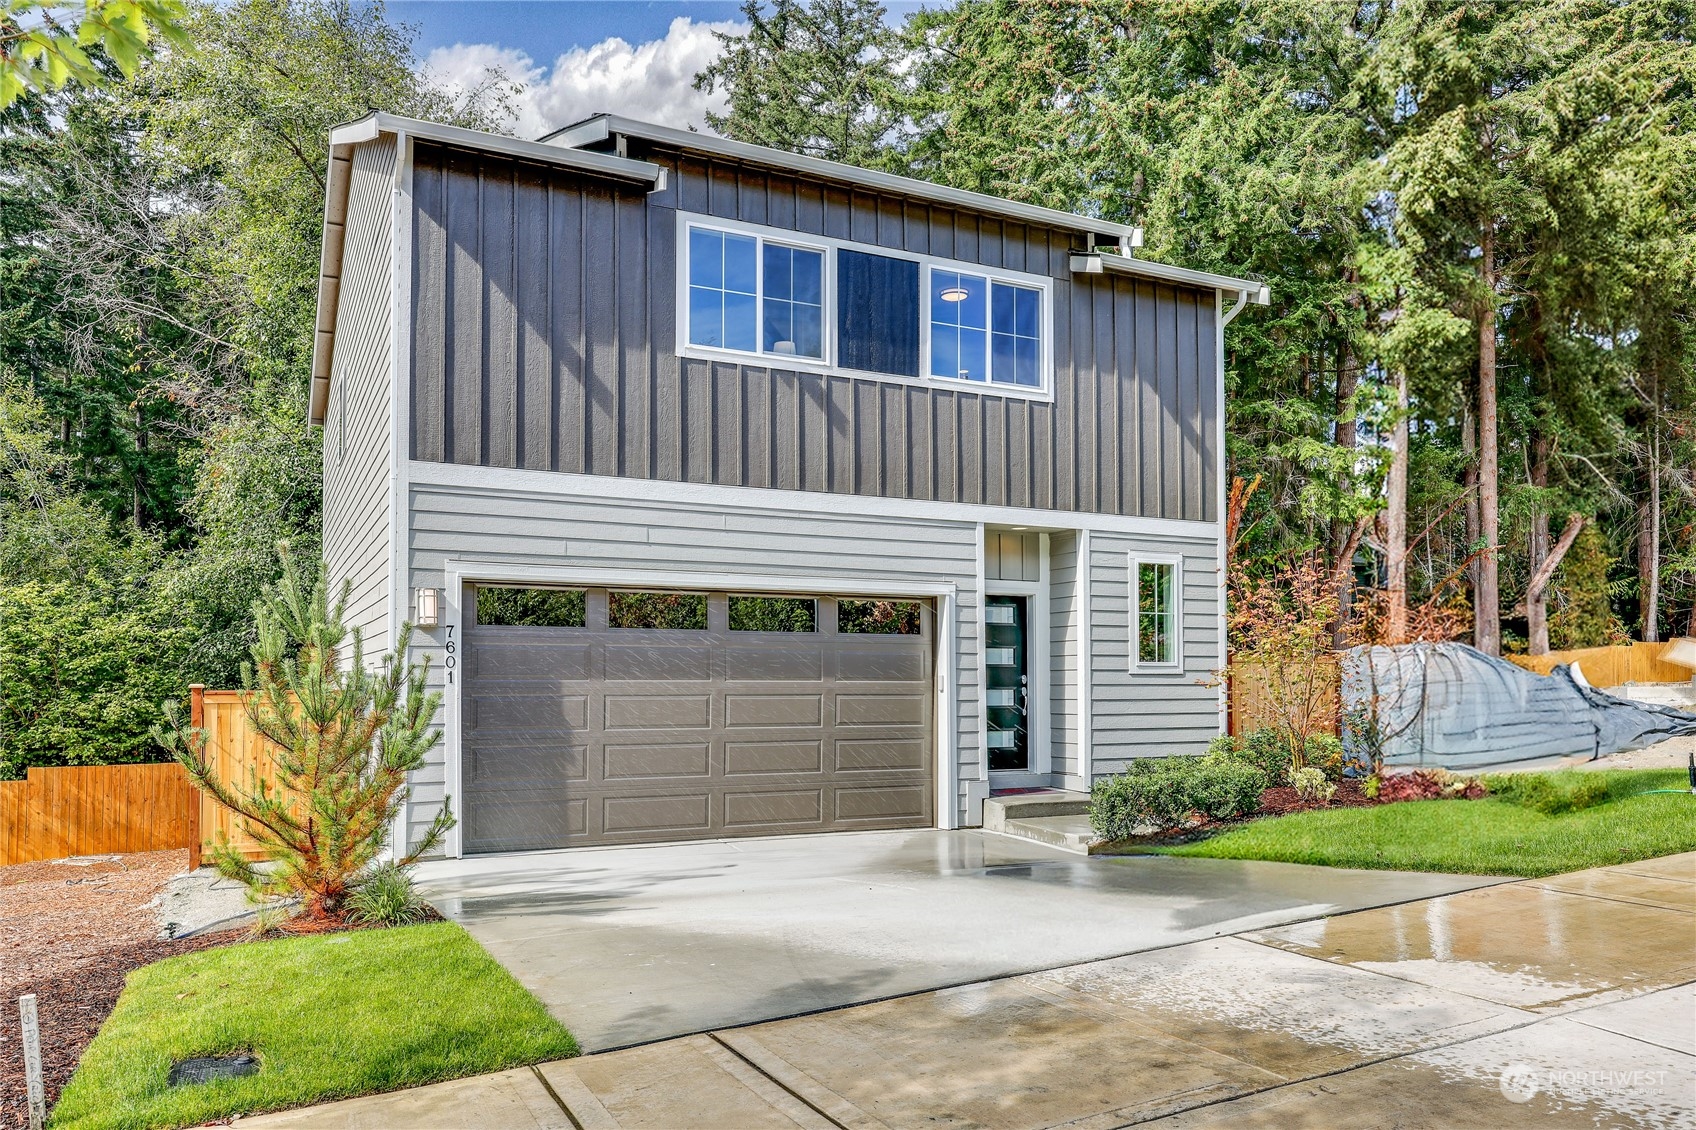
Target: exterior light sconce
pixel 427 607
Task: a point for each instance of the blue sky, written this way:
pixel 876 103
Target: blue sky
pixel 546 29
pixel 580 57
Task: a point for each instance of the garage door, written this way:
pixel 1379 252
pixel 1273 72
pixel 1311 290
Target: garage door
pixel 597 717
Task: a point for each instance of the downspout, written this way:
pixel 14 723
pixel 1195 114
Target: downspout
pixel 1261 297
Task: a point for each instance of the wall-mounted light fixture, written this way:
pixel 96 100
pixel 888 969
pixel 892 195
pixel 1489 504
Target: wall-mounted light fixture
pixel 426 607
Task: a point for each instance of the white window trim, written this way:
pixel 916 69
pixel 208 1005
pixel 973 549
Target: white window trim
pixel 1176 665
pixel 828 364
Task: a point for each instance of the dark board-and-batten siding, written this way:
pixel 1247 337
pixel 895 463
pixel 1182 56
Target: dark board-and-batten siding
pixel 545 322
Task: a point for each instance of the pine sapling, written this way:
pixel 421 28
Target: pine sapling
pixel 343 739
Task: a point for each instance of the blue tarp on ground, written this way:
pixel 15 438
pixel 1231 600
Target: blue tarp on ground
pixel 1451 706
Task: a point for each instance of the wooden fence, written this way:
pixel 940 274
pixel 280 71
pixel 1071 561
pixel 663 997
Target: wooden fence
pixel 97 810
pixel 106 809
pixel 235 753
pixel 1633 662
pixel 1250 701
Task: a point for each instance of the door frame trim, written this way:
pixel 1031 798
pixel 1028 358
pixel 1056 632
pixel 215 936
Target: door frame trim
pixel 1037 634
pixel 459 572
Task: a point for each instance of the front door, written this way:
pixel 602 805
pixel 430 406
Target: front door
pixel 1007 683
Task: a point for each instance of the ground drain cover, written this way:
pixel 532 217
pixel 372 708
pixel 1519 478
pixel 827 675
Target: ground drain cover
pixel 204 1069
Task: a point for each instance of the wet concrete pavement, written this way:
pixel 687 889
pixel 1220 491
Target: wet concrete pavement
pixel 1548 1003
pixel 632 945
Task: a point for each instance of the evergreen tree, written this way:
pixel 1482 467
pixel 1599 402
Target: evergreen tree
pixel 815 77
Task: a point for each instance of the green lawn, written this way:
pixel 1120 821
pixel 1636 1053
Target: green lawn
pixel 329 1016
pixel 1476 837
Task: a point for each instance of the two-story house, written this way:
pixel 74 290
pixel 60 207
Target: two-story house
pixel 740 493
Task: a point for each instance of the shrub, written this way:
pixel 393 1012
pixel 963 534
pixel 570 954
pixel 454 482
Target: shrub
pixel 1543 794
pixel 1166 792
pixel 1265 749
pixel 1311 784
pixel 1325 753
pixel 86 667
pixel 1372 786
pixel 386 897
pixel 1428 784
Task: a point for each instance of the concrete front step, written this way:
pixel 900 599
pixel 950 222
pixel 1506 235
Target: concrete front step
pixel 997 810
pixel 1054 817
pixel 1068 833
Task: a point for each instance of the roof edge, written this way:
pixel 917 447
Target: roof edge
pixel 602 126
pixel 1146 268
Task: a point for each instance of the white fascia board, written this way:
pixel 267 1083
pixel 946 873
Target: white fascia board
pixel 343 140
pixel 603 488
pixel 1144 268
pixel 603 126
pixel 604 164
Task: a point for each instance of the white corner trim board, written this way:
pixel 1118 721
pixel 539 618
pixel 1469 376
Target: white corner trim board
pixel 562 484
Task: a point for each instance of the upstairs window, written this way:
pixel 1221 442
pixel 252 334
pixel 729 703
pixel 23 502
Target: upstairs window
pixel 842 307
pixel 983 330
pixel 755 295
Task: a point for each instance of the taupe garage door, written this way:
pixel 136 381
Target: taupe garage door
pixel 720 715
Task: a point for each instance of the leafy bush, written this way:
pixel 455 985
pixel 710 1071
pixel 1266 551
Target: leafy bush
pixel 86 667
pixel 1372 786
pixel 386 897
pixel 1428 784
pixel 1166 792
pixel 1325 753
pixel 1311 784
pixel 1544 794
pixel 1264 749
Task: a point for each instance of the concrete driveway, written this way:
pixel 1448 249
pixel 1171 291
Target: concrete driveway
pixel 631 945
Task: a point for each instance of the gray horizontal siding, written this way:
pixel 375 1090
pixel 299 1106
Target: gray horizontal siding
pixel 1148 714
pixel 545 331
pixel 357 425
pixel 1064 609
pixel 522 528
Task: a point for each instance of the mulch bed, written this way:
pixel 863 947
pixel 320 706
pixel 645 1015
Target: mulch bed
pixel 70 931
pixel 1283 801
pixel 1273 802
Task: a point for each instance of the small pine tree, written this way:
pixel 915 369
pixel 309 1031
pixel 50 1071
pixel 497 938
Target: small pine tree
pixel 343 739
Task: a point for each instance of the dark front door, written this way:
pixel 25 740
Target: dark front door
pixel 1006 683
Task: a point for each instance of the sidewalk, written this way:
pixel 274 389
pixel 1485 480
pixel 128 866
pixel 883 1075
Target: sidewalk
pixel 1565 1001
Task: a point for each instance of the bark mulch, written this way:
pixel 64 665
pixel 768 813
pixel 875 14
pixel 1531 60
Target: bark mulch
pixel 1283 801
pixel 69 933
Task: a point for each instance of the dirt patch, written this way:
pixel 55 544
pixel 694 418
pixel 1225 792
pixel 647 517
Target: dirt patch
pixel 70 931
pixel 1282 801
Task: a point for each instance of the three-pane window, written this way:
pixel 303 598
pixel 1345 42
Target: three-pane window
pixel 748 293
pixel 1156 602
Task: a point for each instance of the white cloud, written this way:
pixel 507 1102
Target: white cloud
pixel 651 81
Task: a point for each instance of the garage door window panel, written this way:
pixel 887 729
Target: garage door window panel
pixel 658 611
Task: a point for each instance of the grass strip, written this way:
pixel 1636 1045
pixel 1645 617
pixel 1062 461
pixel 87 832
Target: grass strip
pixel 329 1016
pixel 1477 837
